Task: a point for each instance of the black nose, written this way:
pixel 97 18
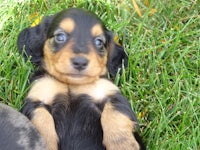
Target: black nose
pixel 79 63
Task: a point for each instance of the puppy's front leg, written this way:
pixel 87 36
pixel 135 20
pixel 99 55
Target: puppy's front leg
pixel 44 122
pixel 39 100
pixel 119 124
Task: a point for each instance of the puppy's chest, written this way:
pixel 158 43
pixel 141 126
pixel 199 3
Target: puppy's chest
pixel 47 90
pixel 83 99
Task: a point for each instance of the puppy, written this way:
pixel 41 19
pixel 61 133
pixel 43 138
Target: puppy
pixel 17 132
pixel 72 103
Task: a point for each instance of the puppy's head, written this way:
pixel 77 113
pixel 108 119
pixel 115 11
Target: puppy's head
pixel 73 46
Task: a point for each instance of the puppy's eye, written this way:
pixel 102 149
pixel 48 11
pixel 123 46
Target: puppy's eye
pixel 98 42
pixel 60 37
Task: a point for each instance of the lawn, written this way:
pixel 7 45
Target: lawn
pixel 162 81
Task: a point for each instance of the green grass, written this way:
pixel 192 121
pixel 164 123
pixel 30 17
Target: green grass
pixel 163 78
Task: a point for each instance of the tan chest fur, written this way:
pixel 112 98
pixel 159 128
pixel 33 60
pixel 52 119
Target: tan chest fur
pixel 98 90
pixel 46 88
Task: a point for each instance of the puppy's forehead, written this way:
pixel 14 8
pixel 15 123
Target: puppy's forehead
pixel 81 20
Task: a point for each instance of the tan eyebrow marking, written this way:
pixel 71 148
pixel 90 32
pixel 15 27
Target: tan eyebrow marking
pixel 96 30
pixel 68 25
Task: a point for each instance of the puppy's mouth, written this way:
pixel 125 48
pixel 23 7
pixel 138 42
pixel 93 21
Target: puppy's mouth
pixel 73 74
pixel 79 78
pixel 76 75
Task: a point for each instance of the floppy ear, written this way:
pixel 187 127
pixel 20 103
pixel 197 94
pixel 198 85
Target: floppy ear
pixel 32 40
pixel 117 57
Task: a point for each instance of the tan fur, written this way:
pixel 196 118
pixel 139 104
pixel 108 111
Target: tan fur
pixel 59 64
pixel 117 130
pixel 97 90
pixel 45 89
pixel 68 25
pixel 96 30
pixel 44 123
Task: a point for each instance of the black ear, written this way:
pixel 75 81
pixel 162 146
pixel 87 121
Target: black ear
pixel 117 57
pixel 32 40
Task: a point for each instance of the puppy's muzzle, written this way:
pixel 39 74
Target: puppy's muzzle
pixel 79 63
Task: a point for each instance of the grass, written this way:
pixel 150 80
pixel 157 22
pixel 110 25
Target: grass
pixel 162 81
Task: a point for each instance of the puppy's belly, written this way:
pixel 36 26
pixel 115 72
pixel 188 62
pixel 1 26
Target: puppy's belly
pixel 98 90
pixel 78 123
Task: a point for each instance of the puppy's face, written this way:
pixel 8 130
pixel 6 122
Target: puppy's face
pixel 73 46
pixel 76 48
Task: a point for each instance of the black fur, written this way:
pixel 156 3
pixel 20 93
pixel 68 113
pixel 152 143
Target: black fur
pixel 30 106
pixel 117 61
pixel 31 40
pixel 78 126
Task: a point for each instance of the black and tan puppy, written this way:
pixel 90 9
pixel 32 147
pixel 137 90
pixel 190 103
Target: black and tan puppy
pixel 71 103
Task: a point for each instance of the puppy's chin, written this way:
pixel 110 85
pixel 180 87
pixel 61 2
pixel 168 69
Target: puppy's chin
pixel 78 80
pixel 75 79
